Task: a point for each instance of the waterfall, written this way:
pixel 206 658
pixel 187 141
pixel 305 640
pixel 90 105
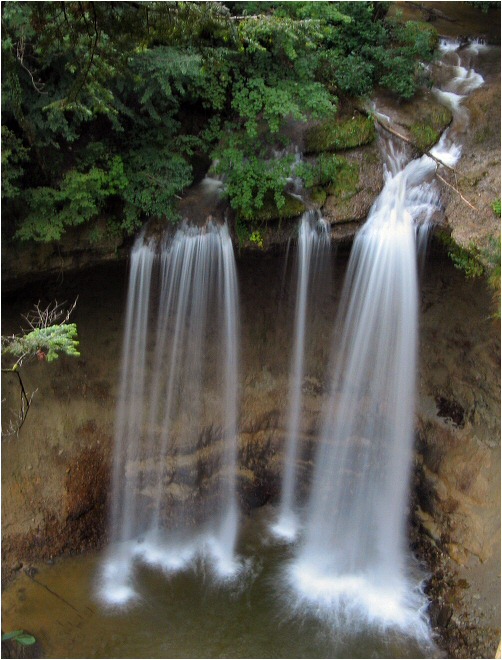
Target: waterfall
pixel 174 471
pixel 313 252
pixel 352 563
pixel 352 557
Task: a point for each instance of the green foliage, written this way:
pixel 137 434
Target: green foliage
pixel 250 177
pixel 107 106
pixel 242 232
pixel 256 238
pixel 353 73
pixel 466 259
pixel 399 68
pixel 20 637
pixel 492 259
pixel 80 197
pixel 14 154
pixel 496 207
pixel 156 176
pixel 46 342
pixel 255 101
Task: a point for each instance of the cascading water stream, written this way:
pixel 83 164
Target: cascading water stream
pixel 352 564
pixel 352 558
pixel 176 402
pixel 313 251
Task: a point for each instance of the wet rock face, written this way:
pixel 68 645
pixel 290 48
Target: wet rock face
pixel 478 171
pixel 458 430
pixel 457 509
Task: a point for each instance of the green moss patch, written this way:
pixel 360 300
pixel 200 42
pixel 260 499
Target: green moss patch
pixel 339 135
pixel 333 174
pixel 269 211
pixel 318 196
pixel 428 129
pixel 346 181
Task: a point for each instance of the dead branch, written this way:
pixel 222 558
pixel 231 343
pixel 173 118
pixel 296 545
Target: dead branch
pixel 457 191
pixel 54 313
pixel 20 416
pixel 410 142
pixel 427 153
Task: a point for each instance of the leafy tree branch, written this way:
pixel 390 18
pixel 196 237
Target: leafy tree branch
pixel 48 335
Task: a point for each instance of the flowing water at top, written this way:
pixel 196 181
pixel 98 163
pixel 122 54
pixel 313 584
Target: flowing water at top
pixel 177 401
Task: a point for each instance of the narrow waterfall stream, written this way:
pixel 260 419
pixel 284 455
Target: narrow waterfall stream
pixel 163 403
pixel 313 255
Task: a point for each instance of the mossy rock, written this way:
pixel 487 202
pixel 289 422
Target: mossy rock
pixel 346 182
pixel 269 211
pixel 318 196
pixel 341 134
pixel 427 131
pixel 335 175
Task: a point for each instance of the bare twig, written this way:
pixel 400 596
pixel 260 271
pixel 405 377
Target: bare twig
pixel 52 314
pixel 19 417
pixel 427 153
pixel 457 191
pixel 20 48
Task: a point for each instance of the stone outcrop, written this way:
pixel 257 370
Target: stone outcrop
pixel 478 171
pixel 80 247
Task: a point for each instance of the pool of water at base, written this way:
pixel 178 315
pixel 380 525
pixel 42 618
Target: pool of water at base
pixel 187 615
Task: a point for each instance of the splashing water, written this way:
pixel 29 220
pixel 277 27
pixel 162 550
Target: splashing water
pixel 313 252
pixel 187 406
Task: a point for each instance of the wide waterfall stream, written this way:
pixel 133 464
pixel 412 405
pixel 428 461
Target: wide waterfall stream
pixel 185 574
pixel 159 414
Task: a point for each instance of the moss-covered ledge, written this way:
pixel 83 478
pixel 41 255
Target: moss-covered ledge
pixel 352 195
pixel 421 120
pixel 343 133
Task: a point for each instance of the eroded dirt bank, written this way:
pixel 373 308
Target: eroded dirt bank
pixel 55 475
